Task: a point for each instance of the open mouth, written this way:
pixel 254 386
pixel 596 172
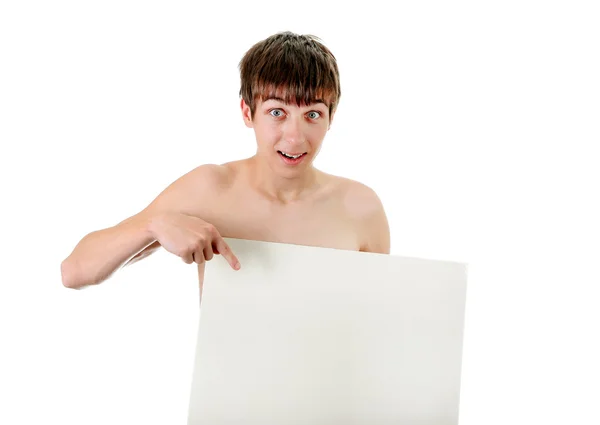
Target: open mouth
pixel 290 158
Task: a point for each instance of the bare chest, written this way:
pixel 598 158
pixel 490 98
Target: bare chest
pixel 323 224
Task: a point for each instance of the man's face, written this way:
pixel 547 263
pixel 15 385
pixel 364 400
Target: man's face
pixel 289 137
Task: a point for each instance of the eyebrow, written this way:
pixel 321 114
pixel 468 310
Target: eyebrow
pixel 283 101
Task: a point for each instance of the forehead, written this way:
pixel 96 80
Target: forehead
pixel 315 102
pixel 290 96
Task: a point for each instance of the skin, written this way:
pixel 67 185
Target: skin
pixel 262 197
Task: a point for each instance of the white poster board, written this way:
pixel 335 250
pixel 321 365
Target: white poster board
pixel 303 335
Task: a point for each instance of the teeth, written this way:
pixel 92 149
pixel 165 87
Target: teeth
pixel 291 156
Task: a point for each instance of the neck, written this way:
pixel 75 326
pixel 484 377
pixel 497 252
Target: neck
pixel 277 187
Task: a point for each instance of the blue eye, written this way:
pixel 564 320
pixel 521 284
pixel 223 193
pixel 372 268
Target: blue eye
pixel 318 114
pixel 276 110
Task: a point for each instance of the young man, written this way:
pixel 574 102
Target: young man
pixel 290 90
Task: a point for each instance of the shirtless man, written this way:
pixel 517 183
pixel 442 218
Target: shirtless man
pixel 289 93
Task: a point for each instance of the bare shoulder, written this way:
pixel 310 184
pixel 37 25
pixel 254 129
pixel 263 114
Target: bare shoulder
pixel 365 208
pixel 208 176
pixel 192 190
pixel 361 199
pixel 189 194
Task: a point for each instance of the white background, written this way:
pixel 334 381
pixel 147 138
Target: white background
pixel 477 123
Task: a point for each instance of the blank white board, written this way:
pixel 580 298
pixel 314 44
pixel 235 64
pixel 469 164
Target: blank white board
pixel 305 335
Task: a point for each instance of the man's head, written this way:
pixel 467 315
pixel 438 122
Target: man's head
pixel 290 90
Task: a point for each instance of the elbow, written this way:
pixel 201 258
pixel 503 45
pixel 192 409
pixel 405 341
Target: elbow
pixel 69 275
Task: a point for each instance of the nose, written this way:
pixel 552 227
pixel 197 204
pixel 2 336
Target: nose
pixel 292 131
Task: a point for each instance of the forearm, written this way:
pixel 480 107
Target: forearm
pixel 101 253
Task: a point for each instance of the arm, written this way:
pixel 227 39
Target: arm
pixel 372 220
pixel 101 253
pixel 377 231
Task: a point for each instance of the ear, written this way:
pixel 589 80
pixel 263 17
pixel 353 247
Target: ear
pixel 246 114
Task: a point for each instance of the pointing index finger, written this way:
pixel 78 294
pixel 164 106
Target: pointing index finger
pixel 226 252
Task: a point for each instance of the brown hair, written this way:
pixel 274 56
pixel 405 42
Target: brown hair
pixel 296 68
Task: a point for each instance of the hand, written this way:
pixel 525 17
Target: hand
pixel 191 238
